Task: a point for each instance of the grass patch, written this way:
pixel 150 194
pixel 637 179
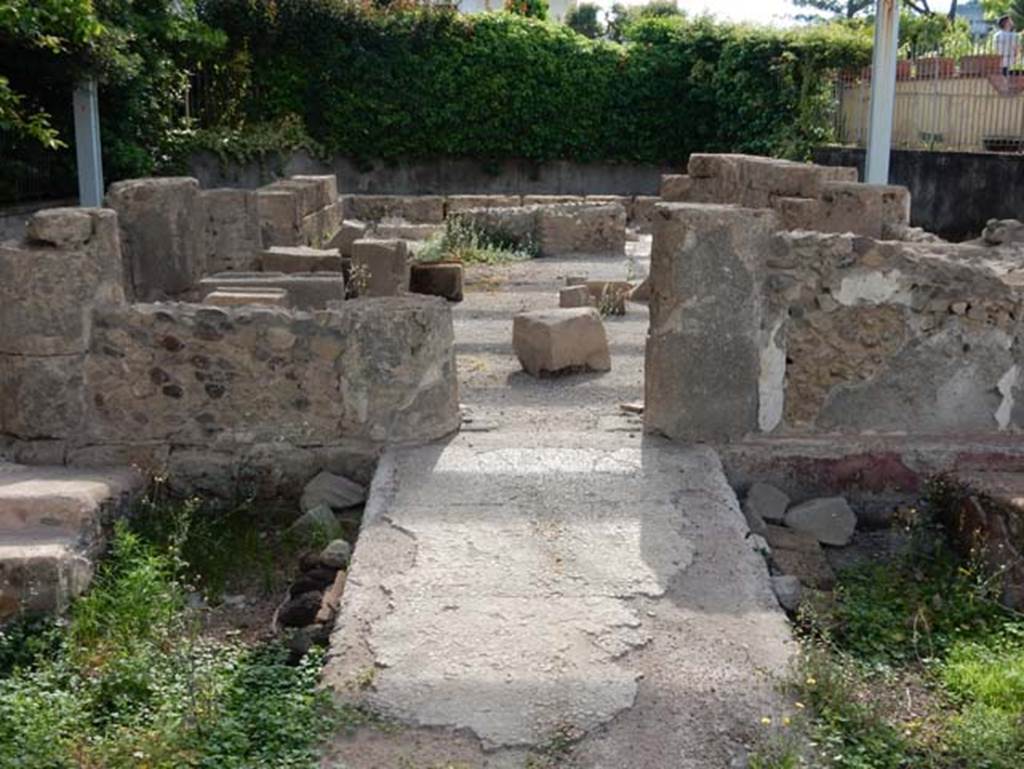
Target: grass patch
pixel 130 680
pixel 909 665
pixel 465 243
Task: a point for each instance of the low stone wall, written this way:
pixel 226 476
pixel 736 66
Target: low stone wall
pixel 205 392
pixel 827 199
pixel 755 328
pixel 555 228
pixel 174 233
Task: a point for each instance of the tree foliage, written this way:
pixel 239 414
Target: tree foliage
pixel 432 83
pixel 583 18
pixel 534 9
pixel 621 16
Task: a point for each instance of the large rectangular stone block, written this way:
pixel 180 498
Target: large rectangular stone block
pixel 161 236
pixel 703 348
pixel 425 209
pixel 456 203
pixel 320 227
pixel 281 216
pixel 380 267
pixel 305 291
pixel 49 287
pixel 581 229
pixel 872 210
pixel 231 230
pixel 300 259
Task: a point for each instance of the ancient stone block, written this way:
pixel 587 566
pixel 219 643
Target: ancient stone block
pixel 348 233
pixel 280 214
pixel 643 211
pixel 319 228
pixel 238 297
pixel 581 229
pixel 574 296
pixel 550 200
pixel 549 341
pixel 863 209
pixel 457 203
pixel 160 238
pixel 428 209
pixel 47 293
pixel 290 259
pixel 406 231
pixel 442 279
pixel 828 519
pixel 799 213
pixel 675 188
pixel 230 224
pixel 703 372
pixel 41 396
pixel 304 291
pixel 381 265
pixel 325 187
pixel 60 227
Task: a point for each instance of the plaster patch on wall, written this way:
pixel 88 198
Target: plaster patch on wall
pixel 873 288
pixel 770 385
pixel 1006 385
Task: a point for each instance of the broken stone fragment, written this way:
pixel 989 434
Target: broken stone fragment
pixel 788 591
pixel 799 555
pixel 548 341
pixel 335 491
pixel 336 555
pixel 317 523
pixel 765 503
pixel 332 599
pixel 828 519
pixel 574 296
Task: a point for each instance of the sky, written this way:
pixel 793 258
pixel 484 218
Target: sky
pixel 778 12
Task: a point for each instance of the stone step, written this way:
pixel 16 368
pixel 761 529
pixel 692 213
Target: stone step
pixel 51 523
pixel 41 570
pixel 61 497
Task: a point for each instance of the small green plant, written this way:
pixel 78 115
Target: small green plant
pixel 131 682
pixel 925 629
pixel 462 241
pixel 359 280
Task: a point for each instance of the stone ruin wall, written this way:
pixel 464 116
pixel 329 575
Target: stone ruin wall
pixel 207 394
pixel 758 326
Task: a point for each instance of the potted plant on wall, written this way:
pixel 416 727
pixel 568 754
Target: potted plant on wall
pixel 981 65
pixel 936 67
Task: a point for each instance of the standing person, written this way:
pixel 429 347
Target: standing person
pixel 1006 43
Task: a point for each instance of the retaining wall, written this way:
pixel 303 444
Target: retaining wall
pixel 953 193
pixel 441 176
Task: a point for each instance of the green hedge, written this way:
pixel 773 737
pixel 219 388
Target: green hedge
pixel 430 83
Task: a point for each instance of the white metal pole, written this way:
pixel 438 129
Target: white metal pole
pixel 883 91
pixel 87 144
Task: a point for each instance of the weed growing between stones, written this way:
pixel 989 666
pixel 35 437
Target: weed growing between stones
pixel 131 680
pixel 462 242
pixel 907 664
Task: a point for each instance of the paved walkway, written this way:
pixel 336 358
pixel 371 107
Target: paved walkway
pixel 549 588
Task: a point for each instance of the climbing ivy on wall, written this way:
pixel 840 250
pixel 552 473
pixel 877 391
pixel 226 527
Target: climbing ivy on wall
pixel 428 82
